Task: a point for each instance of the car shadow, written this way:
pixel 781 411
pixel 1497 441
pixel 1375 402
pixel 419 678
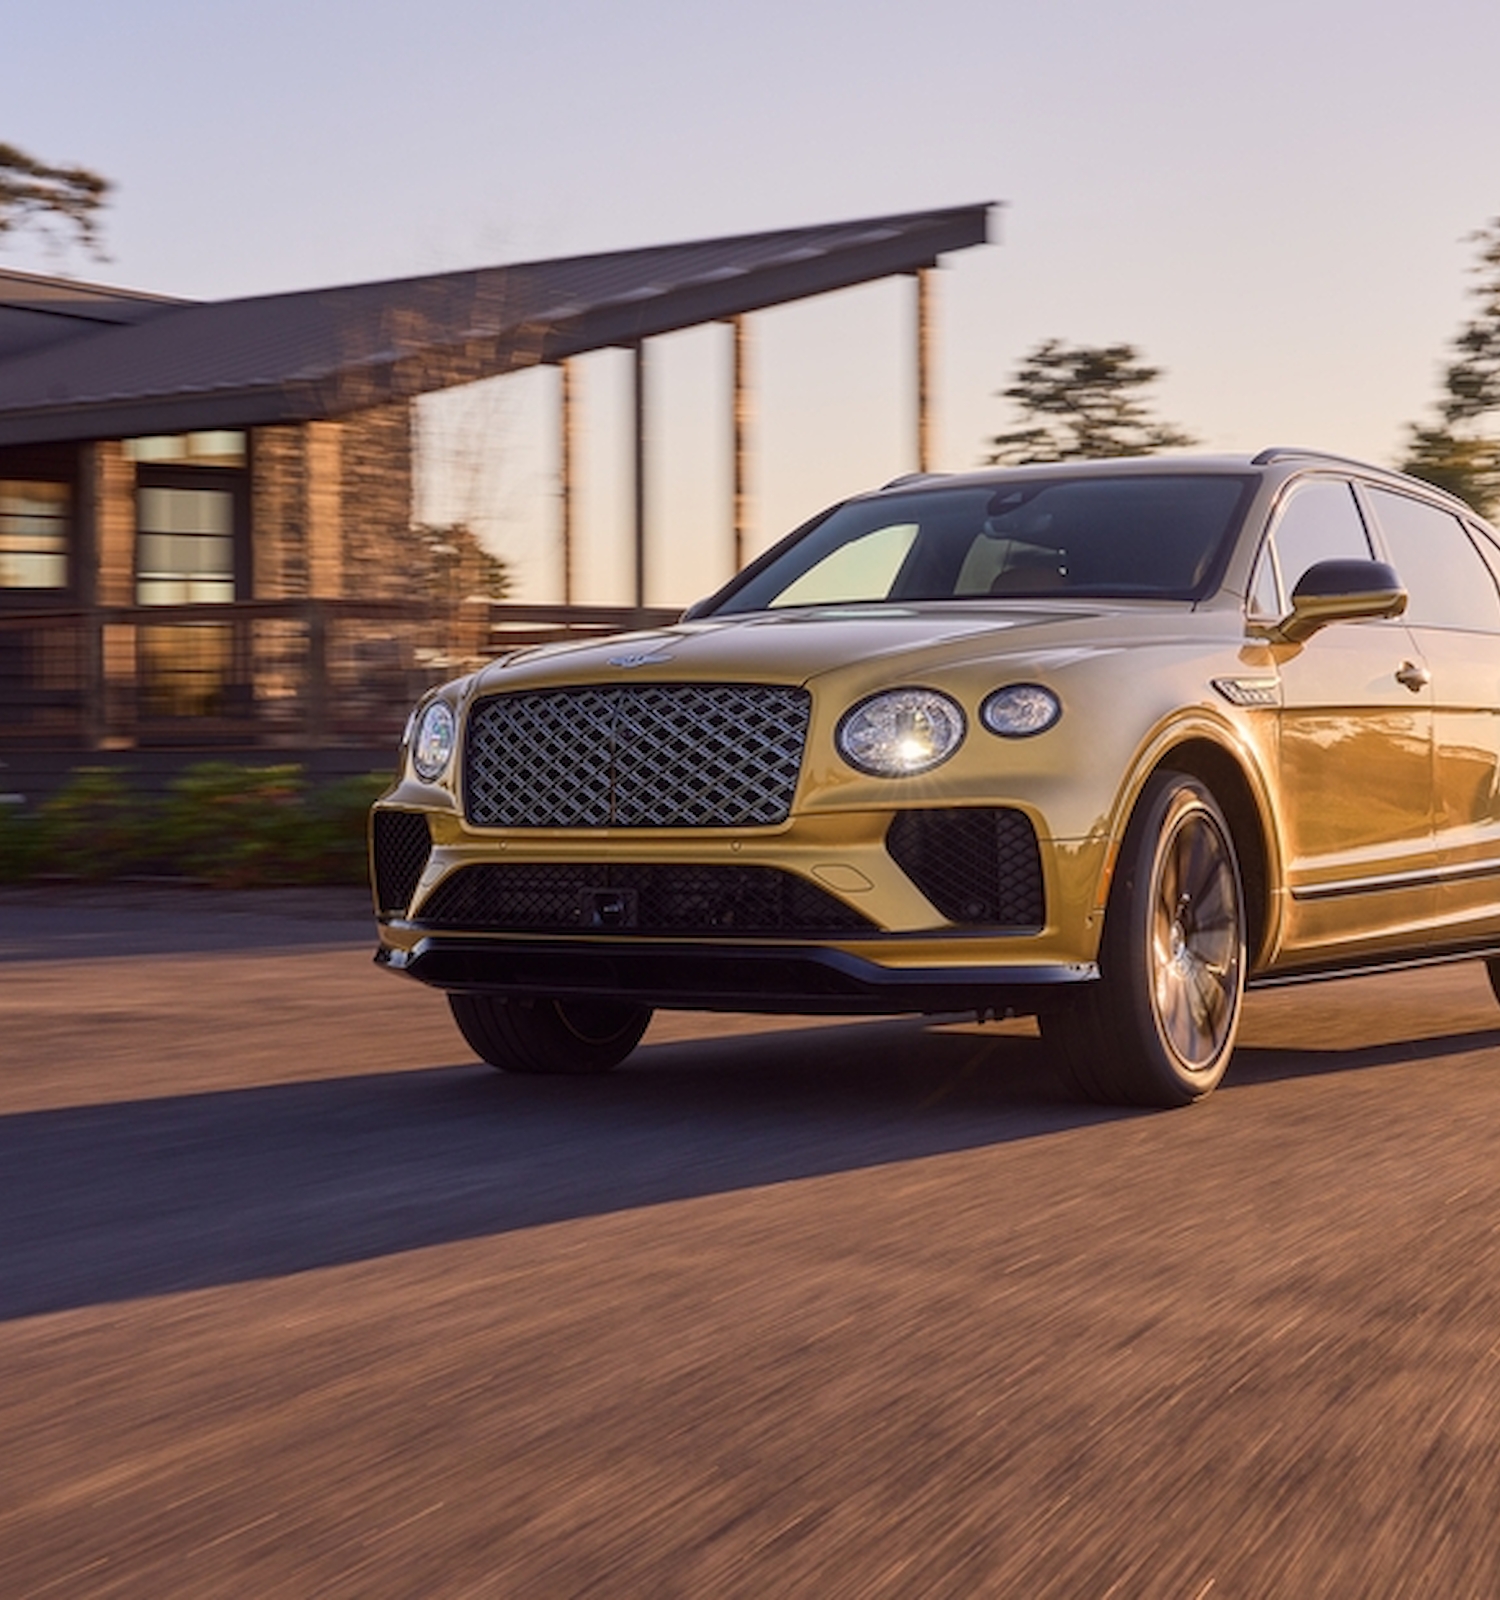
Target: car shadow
pixel 1265 1064
pixel 157 1196
pixel 150 1197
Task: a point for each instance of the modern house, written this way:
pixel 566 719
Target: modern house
pixel 206 508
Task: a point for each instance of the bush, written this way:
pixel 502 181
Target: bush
pixel 230 825
pixel 94 827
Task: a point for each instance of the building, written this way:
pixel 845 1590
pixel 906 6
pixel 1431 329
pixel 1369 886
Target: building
pixel 206 509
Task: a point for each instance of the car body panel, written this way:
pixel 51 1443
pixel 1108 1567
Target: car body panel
pixel 1368 814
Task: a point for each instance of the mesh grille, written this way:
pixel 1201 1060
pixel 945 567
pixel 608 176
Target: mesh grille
pixel 402 844
pixel 648 898
pixel 975 865
pixel 655 755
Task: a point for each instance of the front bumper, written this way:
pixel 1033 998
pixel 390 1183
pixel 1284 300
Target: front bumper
pixel 727 977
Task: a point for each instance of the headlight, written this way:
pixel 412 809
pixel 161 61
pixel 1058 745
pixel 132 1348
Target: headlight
pixel 432 743
pixel 901 733
pixel 1020 710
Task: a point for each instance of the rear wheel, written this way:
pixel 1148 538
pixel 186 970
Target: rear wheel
pixel 1158 1027
pixel 545 1035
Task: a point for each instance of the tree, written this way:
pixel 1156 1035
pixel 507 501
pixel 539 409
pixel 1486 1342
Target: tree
pixel 1457 453
pixel 454 566
pixel 1082 401
pixel 32 193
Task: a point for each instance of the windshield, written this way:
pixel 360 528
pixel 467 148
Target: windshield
pixel 1161 537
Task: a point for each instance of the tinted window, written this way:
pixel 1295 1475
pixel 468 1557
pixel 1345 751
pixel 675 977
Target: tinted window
pixel 1320 522
pixel 1449 586
pixel 1155 536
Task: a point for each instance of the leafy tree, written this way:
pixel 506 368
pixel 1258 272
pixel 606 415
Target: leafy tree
pixel 454 565
pixel 1457 452
pixel 31 192
pixel 1082 401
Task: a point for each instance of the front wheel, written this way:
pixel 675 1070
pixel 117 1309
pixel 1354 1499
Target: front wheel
pixel 545 1035
pixel 1158 1027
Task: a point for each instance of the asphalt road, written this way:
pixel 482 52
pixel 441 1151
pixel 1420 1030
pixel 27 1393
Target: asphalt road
pixel 296 1299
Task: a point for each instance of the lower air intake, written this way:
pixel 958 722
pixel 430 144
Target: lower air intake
pixel 978 866
pixel 684 901
pixel 400 845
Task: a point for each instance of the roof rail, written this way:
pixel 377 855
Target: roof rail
pixel 1284 452
pixel 911 477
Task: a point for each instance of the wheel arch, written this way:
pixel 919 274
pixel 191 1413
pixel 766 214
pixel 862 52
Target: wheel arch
pixel 1216 760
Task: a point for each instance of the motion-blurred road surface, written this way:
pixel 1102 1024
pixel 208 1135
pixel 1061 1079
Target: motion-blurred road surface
pixel 298 1299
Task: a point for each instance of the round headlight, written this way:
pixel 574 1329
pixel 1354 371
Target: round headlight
pixel 901 733
pixel 1020 710
pixel 432 745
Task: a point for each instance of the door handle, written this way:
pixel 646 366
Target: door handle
pixel 1414 677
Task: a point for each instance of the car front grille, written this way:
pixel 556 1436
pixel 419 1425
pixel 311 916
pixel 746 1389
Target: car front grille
pixel 639 898
pixel 400 845
pixel 653 755
pixel 977 865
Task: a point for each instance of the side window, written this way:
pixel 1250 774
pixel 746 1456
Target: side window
pixel 1449 585
pixel 1263 601
pixel 1320 522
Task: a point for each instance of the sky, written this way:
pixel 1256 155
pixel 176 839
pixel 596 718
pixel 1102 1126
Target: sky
pixel 1273 202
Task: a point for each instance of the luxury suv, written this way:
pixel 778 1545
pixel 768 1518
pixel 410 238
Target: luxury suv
pixel 1102 742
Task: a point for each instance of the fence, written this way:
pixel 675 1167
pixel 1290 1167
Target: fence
pixel 255 674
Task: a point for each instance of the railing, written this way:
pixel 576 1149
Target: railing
pixel 256 674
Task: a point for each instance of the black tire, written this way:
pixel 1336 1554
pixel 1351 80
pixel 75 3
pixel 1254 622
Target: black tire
pixel 1158 1028
pixel 544 1035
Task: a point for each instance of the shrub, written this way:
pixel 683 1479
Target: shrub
pixel 94 827
pixel 230 825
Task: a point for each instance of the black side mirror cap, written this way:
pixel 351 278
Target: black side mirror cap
pixel 1341 591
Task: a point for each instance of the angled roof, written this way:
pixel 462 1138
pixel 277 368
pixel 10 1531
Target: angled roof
pixel 325 352
pixel 37 311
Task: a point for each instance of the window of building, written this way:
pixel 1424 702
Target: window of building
pixel 35 526
pixel 221 448
pixel 185 545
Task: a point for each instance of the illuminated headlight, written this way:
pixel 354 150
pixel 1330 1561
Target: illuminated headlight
pixel 432 741
pixel 1020 710
pixel 901 733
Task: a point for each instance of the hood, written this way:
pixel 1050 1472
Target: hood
pixel 795 646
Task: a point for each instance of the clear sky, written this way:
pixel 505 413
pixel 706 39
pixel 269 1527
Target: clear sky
pixel 1271 200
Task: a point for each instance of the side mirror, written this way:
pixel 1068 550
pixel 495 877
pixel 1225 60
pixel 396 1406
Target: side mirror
pixel 1341 591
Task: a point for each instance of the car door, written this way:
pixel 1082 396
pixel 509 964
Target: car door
pixel 1454 614
pixel 1355 753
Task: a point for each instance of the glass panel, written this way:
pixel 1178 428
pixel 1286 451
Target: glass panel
pixel 184 546
pixel 1263 600
pixel 1321 522
pixel 185 669
pixel 221 448
pixel 1143 535
pixel 35 525
pixel 863 569
pixel 1449 586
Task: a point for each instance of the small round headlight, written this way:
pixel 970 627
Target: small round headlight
pixel 901 732
pixel 1020 710
pixel 432 744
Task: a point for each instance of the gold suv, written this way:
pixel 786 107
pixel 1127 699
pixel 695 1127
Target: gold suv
pixel 1104 742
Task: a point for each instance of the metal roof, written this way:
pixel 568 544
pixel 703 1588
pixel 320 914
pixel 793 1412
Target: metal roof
pixel 37 311
pixel 326 352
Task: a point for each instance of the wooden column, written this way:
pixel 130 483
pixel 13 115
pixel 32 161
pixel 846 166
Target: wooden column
pixel 925 431
pixel 741 414
pixel 638 374
pixel 567 471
